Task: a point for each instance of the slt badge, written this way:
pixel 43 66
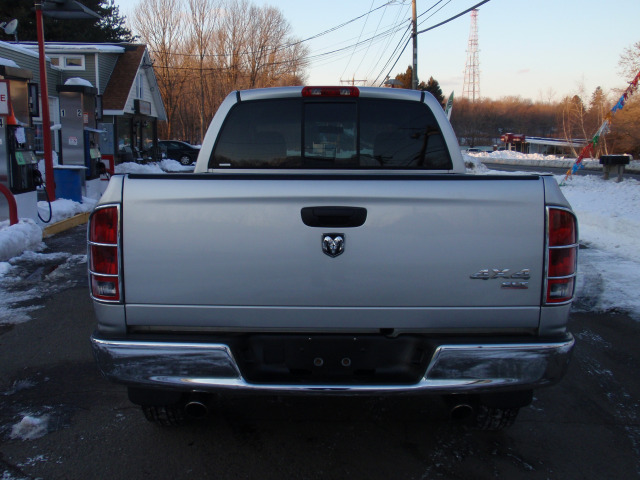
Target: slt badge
pixel 333 244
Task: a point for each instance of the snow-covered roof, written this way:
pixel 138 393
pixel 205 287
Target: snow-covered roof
pixel 62 47
pixel 78 81
pixel 8 63
pixel 21 48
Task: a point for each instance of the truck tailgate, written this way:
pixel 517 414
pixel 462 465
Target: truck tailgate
pixel 232 252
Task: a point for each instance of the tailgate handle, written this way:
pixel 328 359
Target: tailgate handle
pixel 334 217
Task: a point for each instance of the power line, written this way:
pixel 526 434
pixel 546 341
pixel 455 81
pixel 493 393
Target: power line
pixel 386 46
pixel 359 36
pixel 392 30
pixel 406 35
pixel 455 16
pixel 433 12
pixel 402 40
pixel 436 26
pixel 330 55
pixel 369 46
pixel 398 59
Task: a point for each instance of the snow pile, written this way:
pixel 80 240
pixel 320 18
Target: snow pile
pixel 175 166
pixel 171 166
pixel 27 234
pixel 30 428
pixel 540 160
pixel 62 209
pixel 474 164
pixel 511 155
pixel 132 167
pixel 15 239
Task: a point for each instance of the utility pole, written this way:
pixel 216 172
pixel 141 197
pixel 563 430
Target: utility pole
pixel 414 23
pixel 353 81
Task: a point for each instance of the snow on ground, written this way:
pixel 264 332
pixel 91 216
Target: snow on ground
pixel 541 160
pixel 609 226
pixel 608 216
pixel 30 428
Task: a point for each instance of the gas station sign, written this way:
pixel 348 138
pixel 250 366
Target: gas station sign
pixel 4 97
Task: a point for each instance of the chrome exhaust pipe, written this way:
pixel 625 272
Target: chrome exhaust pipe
pixel 196 408
pixel 461 406
pixel 461 411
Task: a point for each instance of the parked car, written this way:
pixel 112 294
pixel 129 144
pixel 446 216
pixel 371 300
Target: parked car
pixel 183 152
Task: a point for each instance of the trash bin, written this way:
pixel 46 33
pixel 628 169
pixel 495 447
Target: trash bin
pixel 614 164
pixel 69 181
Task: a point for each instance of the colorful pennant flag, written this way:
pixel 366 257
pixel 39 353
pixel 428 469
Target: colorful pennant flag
pixel 588 150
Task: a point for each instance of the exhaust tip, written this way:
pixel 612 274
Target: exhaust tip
pixel 461 411
pixel 196 409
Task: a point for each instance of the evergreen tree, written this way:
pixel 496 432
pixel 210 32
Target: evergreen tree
pixel 405 78
pixel 111 28
pixel 433 87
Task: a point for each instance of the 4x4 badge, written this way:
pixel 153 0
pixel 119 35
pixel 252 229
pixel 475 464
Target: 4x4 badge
pixel 333 244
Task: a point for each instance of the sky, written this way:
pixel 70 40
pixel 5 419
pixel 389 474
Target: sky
pixel 537 49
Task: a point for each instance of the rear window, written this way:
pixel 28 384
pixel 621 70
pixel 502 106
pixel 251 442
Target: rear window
pixel 357 134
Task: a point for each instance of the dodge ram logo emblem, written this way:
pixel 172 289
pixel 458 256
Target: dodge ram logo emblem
pixel 333 244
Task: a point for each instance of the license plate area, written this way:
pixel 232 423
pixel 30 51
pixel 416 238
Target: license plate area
pixel 332 359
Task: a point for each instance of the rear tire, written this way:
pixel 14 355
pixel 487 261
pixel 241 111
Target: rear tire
pixel 164 415
pixel 494 419
pixel 185 160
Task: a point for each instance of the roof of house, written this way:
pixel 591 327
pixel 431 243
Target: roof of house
pixel 122 78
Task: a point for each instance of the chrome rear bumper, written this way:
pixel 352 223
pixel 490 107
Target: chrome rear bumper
pixel 468 368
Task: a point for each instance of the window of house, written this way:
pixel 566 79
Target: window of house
pixel 75 62
pixel 68 62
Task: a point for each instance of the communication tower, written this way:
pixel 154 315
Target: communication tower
pixel 471 86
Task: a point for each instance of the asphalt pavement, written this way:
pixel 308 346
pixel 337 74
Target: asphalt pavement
pixel 586 427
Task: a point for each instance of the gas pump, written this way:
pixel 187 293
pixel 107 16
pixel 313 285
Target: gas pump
pixel 24 175
pixel 92 155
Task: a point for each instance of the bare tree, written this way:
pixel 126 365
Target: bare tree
pixel 629 62
pixel 625 127
pixel 203 49
pixel 157 23
pixel 264 46
pixel 202 26
pixel 598 109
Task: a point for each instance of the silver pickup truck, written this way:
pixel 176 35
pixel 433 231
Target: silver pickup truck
pixel 330 242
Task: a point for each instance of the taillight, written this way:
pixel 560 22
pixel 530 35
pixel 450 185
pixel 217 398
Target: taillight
pixel 562 255
pixel 104 253
pixel 330 92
